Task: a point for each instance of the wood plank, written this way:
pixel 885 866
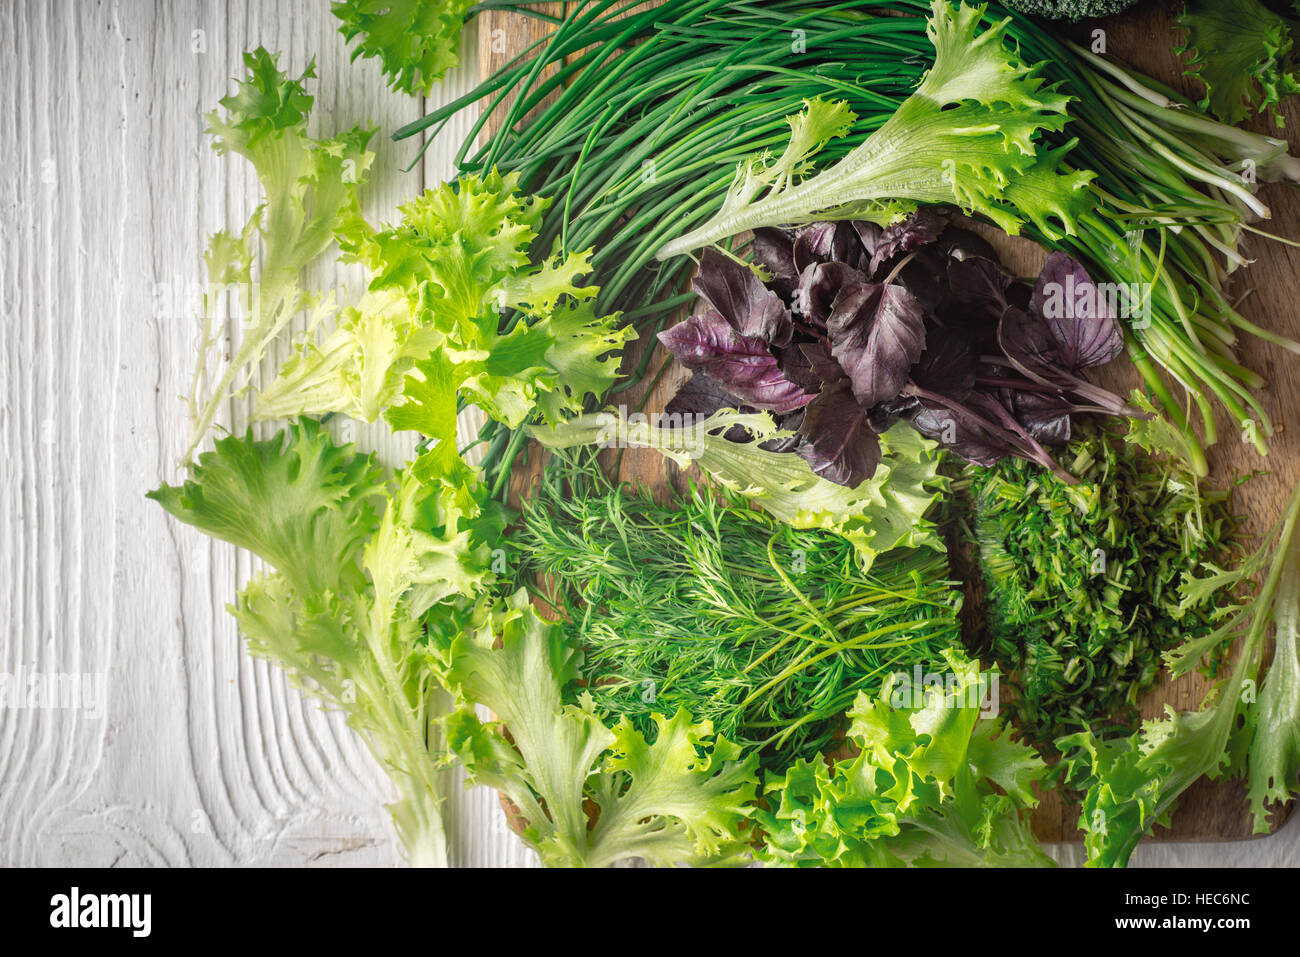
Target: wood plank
pixel 1145 39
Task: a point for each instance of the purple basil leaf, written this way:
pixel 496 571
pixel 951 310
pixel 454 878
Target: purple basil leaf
pixel 823 363
pixel 773 249
pixel 1078 316
pixel 961 431
pixel 925 276
pixel 1030 345
pixel 740 297
pixel 743 365
pixel 869 236
pixel 948 365
pixel 884 414
pixel 877 333
pixel 1044 415
pixel 819 285
pixel 798 368
pixel 838 443
pixel 962 244
pixel 813 244
pixel 923 226
pixel 977 291
pixel 702 395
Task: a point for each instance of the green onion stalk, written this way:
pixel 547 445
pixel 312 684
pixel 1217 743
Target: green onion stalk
pixel 634 121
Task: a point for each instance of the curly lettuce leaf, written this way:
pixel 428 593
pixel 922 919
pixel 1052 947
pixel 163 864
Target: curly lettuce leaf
pixel 885 511
pixel 443 276
pixel 357 561
pixel 932 784
pixel 415 41
pixel 679 799
pixel 1244 55
pixel 310 187
pixel 296 500
pixel 966 136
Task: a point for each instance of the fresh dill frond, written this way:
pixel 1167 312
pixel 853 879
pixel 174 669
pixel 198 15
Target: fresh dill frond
pixel 706 603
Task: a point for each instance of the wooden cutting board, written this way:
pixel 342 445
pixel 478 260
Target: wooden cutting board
pixel 1270 289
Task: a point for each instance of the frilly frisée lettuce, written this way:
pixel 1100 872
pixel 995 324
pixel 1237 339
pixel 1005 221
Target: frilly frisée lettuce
pixel 681 799
pixel 885 511
pixel 310 188
pixel 933 784
pixel 351 578
pixel 968 135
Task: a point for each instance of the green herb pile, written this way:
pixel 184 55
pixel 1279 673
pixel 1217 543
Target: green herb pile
pixel 1082 581
pixel 711 605
pixel 711 647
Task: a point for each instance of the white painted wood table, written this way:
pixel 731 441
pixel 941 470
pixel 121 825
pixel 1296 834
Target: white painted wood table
pixel 182 750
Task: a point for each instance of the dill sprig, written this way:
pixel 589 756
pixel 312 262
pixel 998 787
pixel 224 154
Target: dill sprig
pixel 704 602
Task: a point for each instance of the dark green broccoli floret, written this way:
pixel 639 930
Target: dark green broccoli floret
pixel 1069 9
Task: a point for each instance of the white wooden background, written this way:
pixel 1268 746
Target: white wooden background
pixel 200 755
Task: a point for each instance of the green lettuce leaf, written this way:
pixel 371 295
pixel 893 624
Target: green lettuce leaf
pixel 680 799
pixel 310 187
pixel 1244 55
pixel 429 327
pixel 357 562
pixel 415 41
pixel 886 511
pixel 967 136
pixel 932 784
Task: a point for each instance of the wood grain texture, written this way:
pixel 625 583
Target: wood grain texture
pixel 199 755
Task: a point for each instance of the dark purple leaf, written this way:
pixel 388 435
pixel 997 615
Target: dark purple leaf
pixel 962 244
pixel 960 430
pixel 868 236
pixel 924 275
pixel 798 368
pixel 923 226
pixel 812 245
pixel 702 395
pixel 743 365
pixel 877 333
pixel 1044 415
pixel 740 297
pixel 1078 316
pixel 819 284
pixel 773 249
pixel 977 292
pixel 823 363
pixel 948 364
pixel 884 414
pixel 1029 344
pixel 838 443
